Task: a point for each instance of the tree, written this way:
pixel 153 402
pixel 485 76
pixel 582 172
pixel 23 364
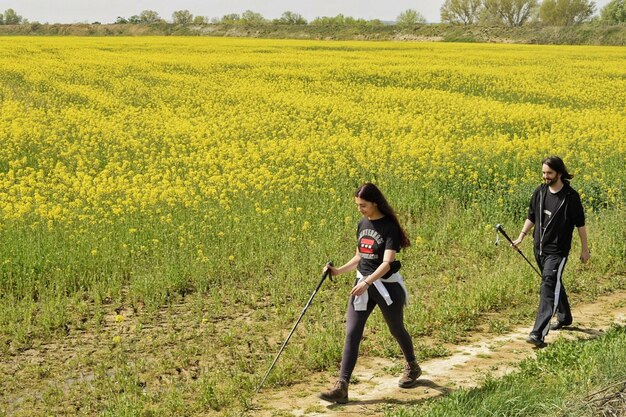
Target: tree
pixel 375 23
pixel 1 19
pixel 12 18
pixel 149 16
pixel 566 12
pixel 409 18
pixel 200 20
pixel 252 18
pixel 507 12
pixel 466 12
pixel 121 20
pixel 340 19
pixel 291 18
pixel 614 12
pixel 230 19
pixel 134 19
pixel 182 17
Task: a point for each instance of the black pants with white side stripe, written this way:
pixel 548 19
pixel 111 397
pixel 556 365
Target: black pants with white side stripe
pixel 553 298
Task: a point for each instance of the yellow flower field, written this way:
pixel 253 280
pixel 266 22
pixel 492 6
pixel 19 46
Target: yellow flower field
pixel 99 129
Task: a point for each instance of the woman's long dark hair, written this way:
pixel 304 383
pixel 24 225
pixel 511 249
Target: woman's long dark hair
pixel 369 192
pixel 558 165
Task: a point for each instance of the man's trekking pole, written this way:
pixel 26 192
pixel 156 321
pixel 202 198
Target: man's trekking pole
pixel 327 273
pixel 500 229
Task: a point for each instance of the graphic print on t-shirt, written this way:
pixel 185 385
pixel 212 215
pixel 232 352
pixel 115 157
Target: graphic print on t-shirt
pixel 367 245
pixel 369 242
pixel 551 203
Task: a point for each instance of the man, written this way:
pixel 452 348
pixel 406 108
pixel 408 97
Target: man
pixel 555 209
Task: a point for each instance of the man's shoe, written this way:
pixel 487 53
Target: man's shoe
pixel 534 340
pixel 412 371
pixel 559 325
pixel 337 394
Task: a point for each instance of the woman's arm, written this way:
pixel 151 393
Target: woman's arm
pixel 347 267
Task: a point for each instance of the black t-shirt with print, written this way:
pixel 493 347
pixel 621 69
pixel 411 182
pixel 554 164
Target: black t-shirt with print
pixel 551 204
pixel 373 238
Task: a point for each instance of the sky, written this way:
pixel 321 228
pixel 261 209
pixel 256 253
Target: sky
pixel 107 11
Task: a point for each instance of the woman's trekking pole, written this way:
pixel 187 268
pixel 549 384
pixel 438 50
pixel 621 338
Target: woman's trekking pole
pixel 500 229
pixel 327 273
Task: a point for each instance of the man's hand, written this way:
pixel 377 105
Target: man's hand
pixel 585 255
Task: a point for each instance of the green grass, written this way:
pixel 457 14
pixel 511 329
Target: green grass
pixel 208 348
pixel 560 382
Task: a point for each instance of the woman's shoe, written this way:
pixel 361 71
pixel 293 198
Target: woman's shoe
pixel 338 394
pixel 412 371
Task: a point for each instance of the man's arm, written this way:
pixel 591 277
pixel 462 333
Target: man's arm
pixel 528 226
pixel 584 247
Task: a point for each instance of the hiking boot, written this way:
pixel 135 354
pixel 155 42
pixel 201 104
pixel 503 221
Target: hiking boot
pixel 559 325
pixel 412 371
pixel 535 340
pixel 338 394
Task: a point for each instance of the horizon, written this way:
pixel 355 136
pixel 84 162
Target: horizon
pixel 105 12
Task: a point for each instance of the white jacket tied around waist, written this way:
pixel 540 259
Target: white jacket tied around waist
pixel 360 301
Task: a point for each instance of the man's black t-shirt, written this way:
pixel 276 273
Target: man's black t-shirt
pixel 551 204
pixel 373 238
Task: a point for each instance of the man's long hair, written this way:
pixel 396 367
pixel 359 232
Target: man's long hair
pixel 558 166
pixel 369 192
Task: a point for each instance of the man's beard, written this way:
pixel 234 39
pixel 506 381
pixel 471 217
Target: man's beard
pixel 551 181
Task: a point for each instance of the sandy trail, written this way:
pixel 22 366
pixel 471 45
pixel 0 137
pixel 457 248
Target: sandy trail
pixel 467 365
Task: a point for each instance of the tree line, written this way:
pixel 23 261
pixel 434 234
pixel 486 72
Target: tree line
pixel 519 12
pixel 249 17
pixel 464 12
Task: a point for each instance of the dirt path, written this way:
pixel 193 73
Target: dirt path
pixel 465 367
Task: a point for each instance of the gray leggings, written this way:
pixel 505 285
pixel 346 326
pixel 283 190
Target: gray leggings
pixel 355 324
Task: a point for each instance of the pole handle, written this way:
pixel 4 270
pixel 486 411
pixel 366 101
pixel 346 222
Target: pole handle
pixel 328 273
pixel 500 229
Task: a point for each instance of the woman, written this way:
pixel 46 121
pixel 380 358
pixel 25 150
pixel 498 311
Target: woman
pixel 380 237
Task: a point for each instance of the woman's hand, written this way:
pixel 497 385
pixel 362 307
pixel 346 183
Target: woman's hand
pixel 360 288
pixel 333 271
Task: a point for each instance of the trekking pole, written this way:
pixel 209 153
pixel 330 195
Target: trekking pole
pixel 500 229
pixel 327 273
